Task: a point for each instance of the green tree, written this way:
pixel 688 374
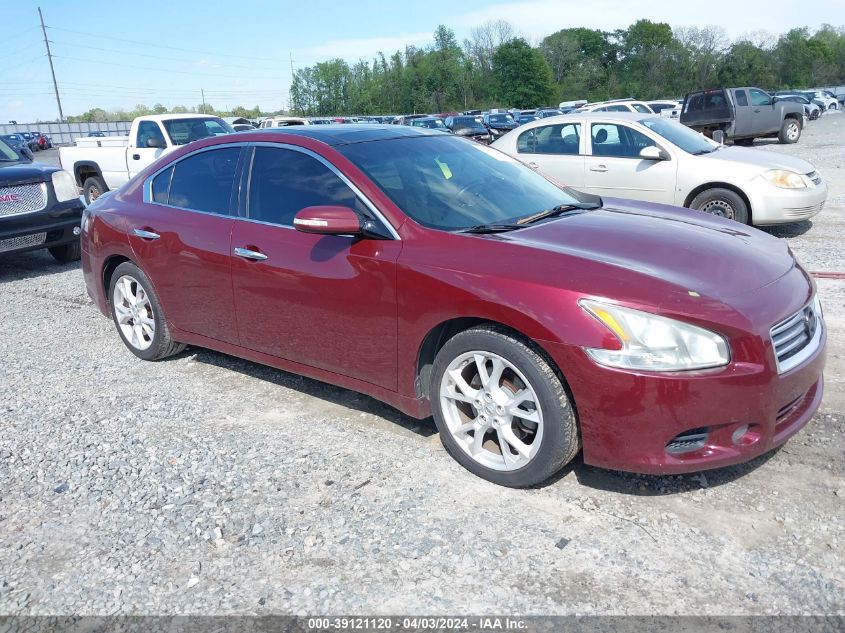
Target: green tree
pixel 521 75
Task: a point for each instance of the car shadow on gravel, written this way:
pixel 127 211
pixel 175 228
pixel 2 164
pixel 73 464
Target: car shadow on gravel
pixel 656 485
pixel 793 229
pixel 316 389
pixel 20 266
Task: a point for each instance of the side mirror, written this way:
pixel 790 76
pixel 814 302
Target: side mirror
pixel 652 152
pixel 328 220
pixel 156 142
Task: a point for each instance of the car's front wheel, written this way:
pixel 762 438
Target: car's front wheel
pixel 501 409
pixel 722 202
pixel 138 315
pixel 790 131
pixel 66 252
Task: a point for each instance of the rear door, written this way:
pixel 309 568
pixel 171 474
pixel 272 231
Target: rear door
pixel 324 301
pixel 555 150
pixel 181 235
pixel 614 167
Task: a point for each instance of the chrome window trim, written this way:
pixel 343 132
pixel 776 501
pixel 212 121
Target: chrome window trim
pixel 355 190
pixel 147 190
pixel 812 345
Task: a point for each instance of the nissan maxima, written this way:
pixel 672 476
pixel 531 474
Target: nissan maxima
pixel 448 279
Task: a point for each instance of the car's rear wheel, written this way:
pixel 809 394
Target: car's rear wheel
pixel 790 131
pixel 138 315
pixel 501 409
pixel 93 188
pixel 66 252
pixel 722 202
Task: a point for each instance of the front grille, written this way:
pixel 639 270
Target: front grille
pixel 24 241
pixel 815 177
pixel 23 198
pixel 800 212
pixel 687 441
pixel 788 408
pixel 792 337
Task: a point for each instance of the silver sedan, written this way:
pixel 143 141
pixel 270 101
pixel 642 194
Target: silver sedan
pixel 649 157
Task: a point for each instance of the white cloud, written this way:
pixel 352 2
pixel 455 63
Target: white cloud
pixel 537 18
pixel 363 48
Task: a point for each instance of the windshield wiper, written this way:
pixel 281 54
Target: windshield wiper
pixel 556 211
pixel 490 228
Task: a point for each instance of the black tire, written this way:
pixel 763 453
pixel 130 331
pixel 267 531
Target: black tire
pixel 66 252
pixel 93 188
pixel 560 441
pixel 744 142
pixel 790 131
pixel 723 203
pixel 162 344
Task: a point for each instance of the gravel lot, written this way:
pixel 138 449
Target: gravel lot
pixel 210 485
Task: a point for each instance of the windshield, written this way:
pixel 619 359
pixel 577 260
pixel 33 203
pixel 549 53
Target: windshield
pixel 182 131
pixel 501 118
pixel 435 124
pixel 680 135
pixel 7 153
pixel 467 122
pixel 450 183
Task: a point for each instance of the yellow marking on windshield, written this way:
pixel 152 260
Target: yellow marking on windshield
pixel 447 173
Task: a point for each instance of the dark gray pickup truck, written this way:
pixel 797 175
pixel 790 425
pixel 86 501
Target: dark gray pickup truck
pixel 743 114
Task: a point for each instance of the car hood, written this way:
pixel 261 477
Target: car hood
pixel 22 173
pixel 703 254
pixel 759 158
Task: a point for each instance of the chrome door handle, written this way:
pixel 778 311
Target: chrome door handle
pixel 248 254
pixel 598 168
pixel 533 165
pixel 147 235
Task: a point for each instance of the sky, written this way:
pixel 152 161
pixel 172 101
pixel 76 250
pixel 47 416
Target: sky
pixel 119 54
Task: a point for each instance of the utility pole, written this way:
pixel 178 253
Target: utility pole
pixel 50 59
pixel 202 92
pixel 291 66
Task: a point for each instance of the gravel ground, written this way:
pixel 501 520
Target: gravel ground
pixel 210 485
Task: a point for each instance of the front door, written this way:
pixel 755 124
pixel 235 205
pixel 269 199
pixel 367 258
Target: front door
pixel 613 166
pixel 181 236
pixel 324 301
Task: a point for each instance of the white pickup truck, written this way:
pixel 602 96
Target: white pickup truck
pixel 100 163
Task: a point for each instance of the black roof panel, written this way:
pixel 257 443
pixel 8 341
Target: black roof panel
pixel 345 133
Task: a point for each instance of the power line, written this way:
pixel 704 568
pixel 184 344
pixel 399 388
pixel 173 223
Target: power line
pixel 162 70
pixel 173 48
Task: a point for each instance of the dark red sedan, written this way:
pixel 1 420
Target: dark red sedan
pixel 446 278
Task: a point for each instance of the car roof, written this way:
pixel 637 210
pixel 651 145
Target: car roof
pixel 345 134
pixel 604 116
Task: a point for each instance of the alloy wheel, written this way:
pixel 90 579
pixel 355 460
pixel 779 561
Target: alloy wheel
pixel 134 312
pixel 792 131
pixel 491 410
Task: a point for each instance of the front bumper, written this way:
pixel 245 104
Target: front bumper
pixel 632 421
pixel 773 205
pixel 54 226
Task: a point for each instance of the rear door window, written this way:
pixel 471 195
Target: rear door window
pixel 741 99
pixel 204 181
pixel 561 139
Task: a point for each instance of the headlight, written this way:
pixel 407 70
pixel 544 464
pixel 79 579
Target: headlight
pixel 655 343
pixel 64 186
pixel 785 179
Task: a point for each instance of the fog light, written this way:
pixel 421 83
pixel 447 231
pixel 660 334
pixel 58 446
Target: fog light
pixel 740 432
pixel 77 230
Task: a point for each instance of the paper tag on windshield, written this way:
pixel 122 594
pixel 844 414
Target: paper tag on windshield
pixel 447 173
